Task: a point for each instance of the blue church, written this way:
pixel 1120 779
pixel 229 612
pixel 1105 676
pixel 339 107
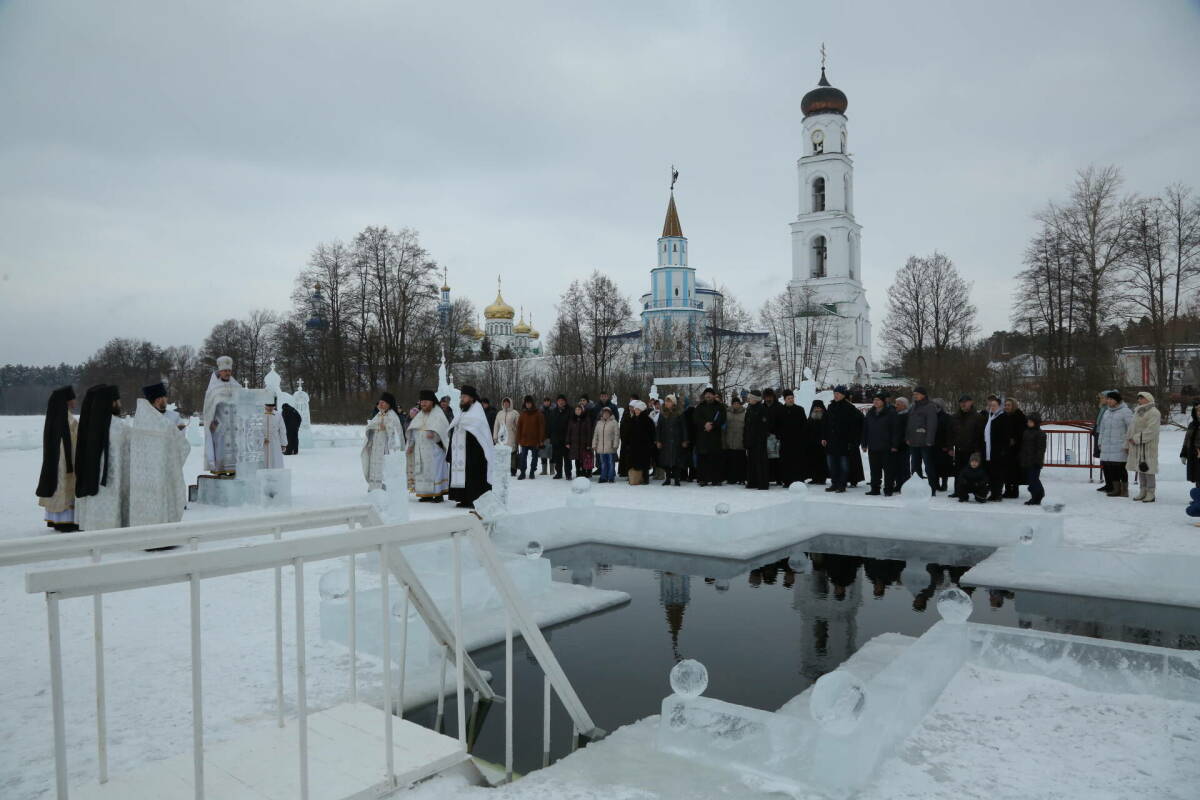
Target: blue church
pixel 675 337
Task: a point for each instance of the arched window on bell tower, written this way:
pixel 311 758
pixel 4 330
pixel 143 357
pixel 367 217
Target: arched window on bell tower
pixel 819 255
pixel 818 194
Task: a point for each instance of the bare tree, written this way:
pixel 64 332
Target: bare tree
pixel 929 311
pixel 1094 226
pixel 1182 213
pixel 804 333
pixel 590 314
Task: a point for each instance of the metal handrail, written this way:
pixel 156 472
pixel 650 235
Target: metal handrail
pixel 194 567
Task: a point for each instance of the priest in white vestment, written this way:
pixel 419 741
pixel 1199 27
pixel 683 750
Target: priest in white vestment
pixel 157 452
pixel 274 438
pixel 102 462
pixel 428 440
pixel 384 432
pixel 220 453
pixel 470 450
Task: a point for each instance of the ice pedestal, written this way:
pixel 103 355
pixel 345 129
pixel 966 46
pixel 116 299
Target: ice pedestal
pixel 498 473
pixel 214 491
pixel 275 488
pixel 392 503
pixel 433 564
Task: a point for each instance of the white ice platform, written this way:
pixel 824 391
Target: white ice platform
pixel 1165 578
pixel 346 760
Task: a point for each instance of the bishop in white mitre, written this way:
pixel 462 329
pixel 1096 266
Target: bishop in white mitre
pixel 220 453
pixel 157 452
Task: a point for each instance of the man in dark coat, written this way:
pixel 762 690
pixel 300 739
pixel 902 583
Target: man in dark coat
pixel 774 410
pixel 488 412
pixel 921 435
pixel 881 431
pixel 791 439
pixel 708 419
pixel 1014 431
pixel 605 401
pixel 840 435
pixel 966 434
pixel 672 442
pixel 556 429
pixel 291 423
pixel 470 450
pixel 754 438
pixel 816 469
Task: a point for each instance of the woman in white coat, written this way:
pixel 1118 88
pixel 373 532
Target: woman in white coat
pixel 384 432
pixel 1143 445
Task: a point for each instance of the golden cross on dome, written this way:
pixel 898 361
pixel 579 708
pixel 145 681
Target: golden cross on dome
pixel 822 55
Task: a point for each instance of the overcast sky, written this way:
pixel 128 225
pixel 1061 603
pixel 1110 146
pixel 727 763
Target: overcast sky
pixel 167 165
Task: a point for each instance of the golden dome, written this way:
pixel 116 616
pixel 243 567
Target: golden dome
pixel 499 309
pixel 445 288
pixel 521 327
pixel 533 334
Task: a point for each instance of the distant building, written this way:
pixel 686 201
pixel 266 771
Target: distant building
pixel 826 255
pixel 678 314
pixel 1136 365
pixel 499 331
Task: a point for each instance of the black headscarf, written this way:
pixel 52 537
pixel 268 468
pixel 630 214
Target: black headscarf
pixel 92 442
pixel 56 432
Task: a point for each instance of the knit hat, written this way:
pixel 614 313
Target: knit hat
pixel 1114 394
pixel 921 391
pixel 839 389
pixel 756 393
pixel 788 393
pixel 966 398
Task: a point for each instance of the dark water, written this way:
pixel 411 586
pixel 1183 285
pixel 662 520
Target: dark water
pixel 764 629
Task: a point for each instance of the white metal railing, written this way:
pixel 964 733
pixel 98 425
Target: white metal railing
pixel 193 567
pixel 36 549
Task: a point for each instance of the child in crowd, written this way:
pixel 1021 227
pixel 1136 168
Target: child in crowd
pixel 972 480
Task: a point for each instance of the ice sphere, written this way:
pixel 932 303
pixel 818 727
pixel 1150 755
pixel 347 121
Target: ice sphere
pixel 919 497
pixel 581 486
pixel 722 509
pixel 334 585
pixel 837 701
pixel 954 605
pixel 533 549
pixel 799 490
pixel 721 585
pixel 798 563
pixel 689 678
pixel 1053 508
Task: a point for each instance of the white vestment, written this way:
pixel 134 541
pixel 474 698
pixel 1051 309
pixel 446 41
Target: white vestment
pixel 384 432
pixel 219 451
pixel 109 506
pixel 274 440
pixel 431 473
pixel 474 422
pixel 157 451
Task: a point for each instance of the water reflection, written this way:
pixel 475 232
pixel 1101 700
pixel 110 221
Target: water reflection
pixel 768 627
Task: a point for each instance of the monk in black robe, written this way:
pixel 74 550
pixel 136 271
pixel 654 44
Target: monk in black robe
pixel 291 423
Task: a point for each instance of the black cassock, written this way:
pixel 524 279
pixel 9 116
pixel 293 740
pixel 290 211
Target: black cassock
pixel 291 423
pixel 477 470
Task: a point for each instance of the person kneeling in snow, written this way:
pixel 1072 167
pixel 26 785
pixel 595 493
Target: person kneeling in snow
pixel 972 480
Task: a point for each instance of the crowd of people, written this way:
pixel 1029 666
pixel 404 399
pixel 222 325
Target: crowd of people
pixel 756 439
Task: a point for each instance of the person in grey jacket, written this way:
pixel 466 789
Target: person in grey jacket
pixel 921 435
pixel 1112 434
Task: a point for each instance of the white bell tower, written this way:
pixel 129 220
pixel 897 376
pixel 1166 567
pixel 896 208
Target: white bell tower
pixel 826 265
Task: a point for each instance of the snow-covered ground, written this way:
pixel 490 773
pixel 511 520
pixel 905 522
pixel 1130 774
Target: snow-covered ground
pixel 149 703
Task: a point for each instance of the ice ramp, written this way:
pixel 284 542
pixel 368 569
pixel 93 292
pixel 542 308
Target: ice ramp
pixel 344 747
